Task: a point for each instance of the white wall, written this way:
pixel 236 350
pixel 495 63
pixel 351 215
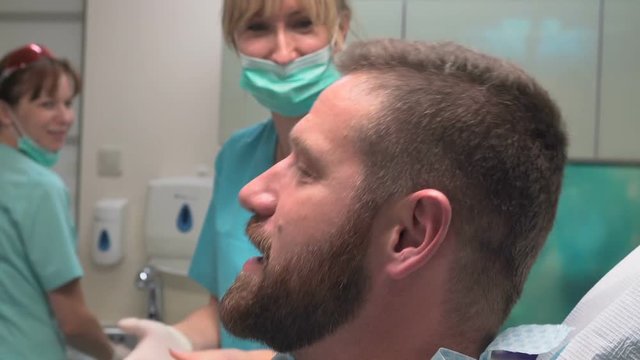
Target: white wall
pixel 152 74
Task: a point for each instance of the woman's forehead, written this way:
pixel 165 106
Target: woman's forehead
pixel 271 8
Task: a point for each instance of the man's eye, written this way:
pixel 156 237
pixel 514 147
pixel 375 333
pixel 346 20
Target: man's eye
pixel 303 173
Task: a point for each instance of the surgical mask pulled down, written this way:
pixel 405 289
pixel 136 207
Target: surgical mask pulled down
pixel 289 89
pixel 31 148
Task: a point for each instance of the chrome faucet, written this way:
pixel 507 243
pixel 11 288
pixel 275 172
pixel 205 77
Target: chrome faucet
pixel 149 279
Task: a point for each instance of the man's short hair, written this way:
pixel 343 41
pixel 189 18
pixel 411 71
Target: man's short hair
pixel 483 132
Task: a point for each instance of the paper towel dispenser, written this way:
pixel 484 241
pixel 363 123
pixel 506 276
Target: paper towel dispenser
pixel 175 211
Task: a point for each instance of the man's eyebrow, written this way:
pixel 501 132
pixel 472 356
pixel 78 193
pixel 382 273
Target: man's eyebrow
pixel 303 150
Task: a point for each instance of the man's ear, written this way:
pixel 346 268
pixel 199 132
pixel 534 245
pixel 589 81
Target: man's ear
pixel 426 216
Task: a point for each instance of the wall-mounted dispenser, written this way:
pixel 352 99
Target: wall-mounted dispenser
pixel 175 212
pixel 108 231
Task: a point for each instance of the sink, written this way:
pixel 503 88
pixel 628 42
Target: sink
pixel 115 335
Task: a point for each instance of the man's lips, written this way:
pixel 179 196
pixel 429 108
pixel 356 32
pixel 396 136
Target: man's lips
pixel 254 264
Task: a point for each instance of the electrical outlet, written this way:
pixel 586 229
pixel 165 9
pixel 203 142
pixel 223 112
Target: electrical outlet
pixel 109 162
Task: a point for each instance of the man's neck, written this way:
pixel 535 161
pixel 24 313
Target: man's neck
pixel 380 332
pixel 411 324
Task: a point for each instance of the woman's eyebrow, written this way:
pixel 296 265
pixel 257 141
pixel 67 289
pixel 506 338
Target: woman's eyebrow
pixel 296 13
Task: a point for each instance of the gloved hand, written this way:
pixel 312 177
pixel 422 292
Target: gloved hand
pixel 154 339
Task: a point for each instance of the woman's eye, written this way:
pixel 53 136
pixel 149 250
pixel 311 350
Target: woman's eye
pixel 257 26
pixel 48 104
pixel 303 24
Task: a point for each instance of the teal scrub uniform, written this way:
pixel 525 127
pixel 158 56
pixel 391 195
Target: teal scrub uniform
pixel 223 246
pixel 37 256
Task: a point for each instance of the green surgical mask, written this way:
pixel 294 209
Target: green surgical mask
pixel 32 149
pixel 289 89
pixel 36 152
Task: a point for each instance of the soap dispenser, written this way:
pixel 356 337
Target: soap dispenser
pixel 108 231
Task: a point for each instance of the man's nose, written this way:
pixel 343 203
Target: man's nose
pixel 259 196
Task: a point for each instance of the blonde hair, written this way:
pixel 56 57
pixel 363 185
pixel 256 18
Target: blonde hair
pixel 329 13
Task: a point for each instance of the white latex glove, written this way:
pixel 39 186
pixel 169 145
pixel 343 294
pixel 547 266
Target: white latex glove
pixel 154 339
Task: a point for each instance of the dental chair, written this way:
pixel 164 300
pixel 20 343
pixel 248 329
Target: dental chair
pixel 605 324
pixel 606 321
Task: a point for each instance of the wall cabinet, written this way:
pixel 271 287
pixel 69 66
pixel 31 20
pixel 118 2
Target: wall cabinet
pixel 555 41
pixel 584 52
pixel 619 130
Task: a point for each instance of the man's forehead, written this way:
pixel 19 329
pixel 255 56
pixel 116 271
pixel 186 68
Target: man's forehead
pixel 348 100
pixel 335 117
pixel 354 85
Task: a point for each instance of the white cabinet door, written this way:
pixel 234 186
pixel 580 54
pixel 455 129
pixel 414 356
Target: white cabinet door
pixel 620 107
pixel 556 41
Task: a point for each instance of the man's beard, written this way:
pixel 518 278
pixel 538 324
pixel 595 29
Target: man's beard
pixel 306 298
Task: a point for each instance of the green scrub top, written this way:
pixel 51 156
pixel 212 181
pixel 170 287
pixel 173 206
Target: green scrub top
pixel 223 246
pixel 37 255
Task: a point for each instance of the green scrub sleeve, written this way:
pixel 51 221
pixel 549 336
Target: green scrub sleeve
pixel 49 238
